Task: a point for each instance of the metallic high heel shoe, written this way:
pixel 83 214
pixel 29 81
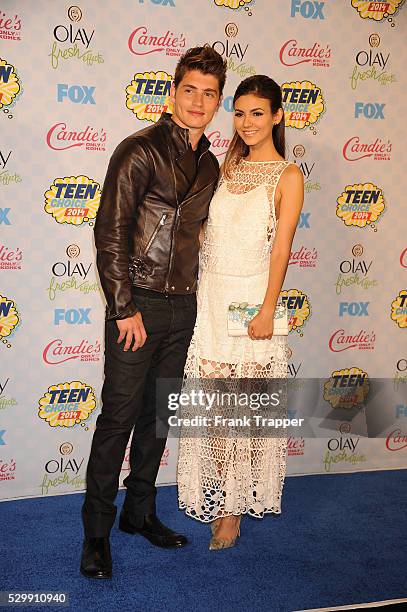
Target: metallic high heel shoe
pixel 219 544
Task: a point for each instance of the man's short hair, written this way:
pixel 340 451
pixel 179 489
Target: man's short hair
pixel 206 60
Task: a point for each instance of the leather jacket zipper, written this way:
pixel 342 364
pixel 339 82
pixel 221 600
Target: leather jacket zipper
pixel 155 232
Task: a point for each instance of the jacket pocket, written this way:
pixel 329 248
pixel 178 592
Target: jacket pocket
pixel 138 266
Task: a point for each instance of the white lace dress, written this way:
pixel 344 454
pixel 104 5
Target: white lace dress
pixel 220 471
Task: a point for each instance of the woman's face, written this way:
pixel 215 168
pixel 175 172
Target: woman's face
pixel 253 119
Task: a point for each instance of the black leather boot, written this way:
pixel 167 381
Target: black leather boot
pixel 152 529
pixel 96 561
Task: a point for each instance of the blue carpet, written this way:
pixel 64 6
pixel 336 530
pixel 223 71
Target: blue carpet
pixel 339 540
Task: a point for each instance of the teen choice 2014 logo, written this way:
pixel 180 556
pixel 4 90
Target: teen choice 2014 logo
pixel 399 309
pixel 234 4
pixel 347 388
pixel 303 104
pixel 67 404
pixel 9 319
pixel 73 199
pixel 376 10
pixel 360 205
pixel 148 95
pixel 298 308
pixel 10 85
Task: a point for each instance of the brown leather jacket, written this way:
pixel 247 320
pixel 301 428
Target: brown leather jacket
pixel 146 232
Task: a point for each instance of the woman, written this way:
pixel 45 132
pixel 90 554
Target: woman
pixel 252 220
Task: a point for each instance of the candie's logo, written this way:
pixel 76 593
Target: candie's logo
pixel 10 26
pixel 148 95
pixel 378 150
pixel 292 54
pixel 10 86
pixel 342 341
pixel 360 205
pixel 219 144
pixel 378 11
pixel 304 257
pixel 347 388
pixel 73 200
pixel 57 352
pixel 399 309
pixel 303 104
pixel 298 308
pixel 67 404
pixel 141 42
pixel 60 138
pixel 9 319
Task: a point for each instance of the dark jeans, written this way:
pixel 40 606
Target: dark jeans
pixel 128 401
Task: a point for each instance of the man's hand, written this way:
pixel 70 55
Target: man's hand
pixel 132 328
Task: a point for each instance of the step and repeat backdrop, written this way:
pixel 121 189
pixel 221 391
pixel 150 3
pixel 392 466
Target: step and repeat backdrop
pixel 77 79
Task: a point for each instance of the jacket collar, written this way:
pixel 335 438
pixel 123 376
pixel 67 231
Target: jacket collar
pixel 180 136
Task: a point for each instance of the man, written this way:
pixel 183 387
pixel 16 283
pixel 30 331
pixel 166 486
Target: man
pixel 155 199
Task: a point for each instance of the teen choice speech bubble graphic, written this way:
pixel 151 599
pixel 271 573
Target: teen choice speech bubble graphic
pixel 9 319
pixel 73 199
pixel 9 83
pixel 360 205
pixel 148 95
pixel 298 308
pixel 67 404
pixel 347 388
pixel 399 309
pixel 233 4
pixel 376 10
pixel 303 104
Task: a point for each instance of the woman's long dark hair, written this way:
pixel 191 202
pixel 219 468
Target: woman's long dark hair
pixel 263 87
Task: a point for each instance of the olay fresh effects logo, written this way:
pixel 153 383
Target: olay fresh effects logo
pixel 10 87
pixel 142 42
pixel 77 42
pixel 378 11
pixel 148 95
pixel 219 144
pixel 377 150
pixel 71 275
pixel 5 177
pixel 293 53
pixel 307 168
pixel 342 449
pixel 9 320
pixel 73 200
pixel 6 401
pixel 396 440
pixel 304 257
pixel 399 309
pixel 60 138
pixel 372 65
pixel 234 51
pixel 360 205
pixel 400 377
pixel 57 351
pixel 303 104
pixel 10 259
pixel 67 404
pixel 10 26
pixel 347 388
pixel 354 272
pixel 342 341
pixel 298 309
pixel 63 471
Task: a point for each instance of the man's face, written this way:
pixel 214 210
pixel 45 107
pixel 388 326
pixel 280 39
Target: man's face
pixel 196 99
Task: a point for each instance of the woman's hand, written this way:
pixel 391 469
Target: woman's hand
pixel 261 327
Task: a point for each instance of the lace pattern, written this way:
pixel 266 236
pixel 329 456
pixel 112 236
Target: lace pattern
pixel 221 471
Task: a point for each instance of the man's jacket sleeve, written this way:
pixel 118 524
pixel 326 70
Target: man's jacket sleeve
pixel 127 180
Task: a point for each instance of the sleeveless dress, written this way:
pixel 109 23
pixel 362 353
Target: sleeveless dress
pixel 227 473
